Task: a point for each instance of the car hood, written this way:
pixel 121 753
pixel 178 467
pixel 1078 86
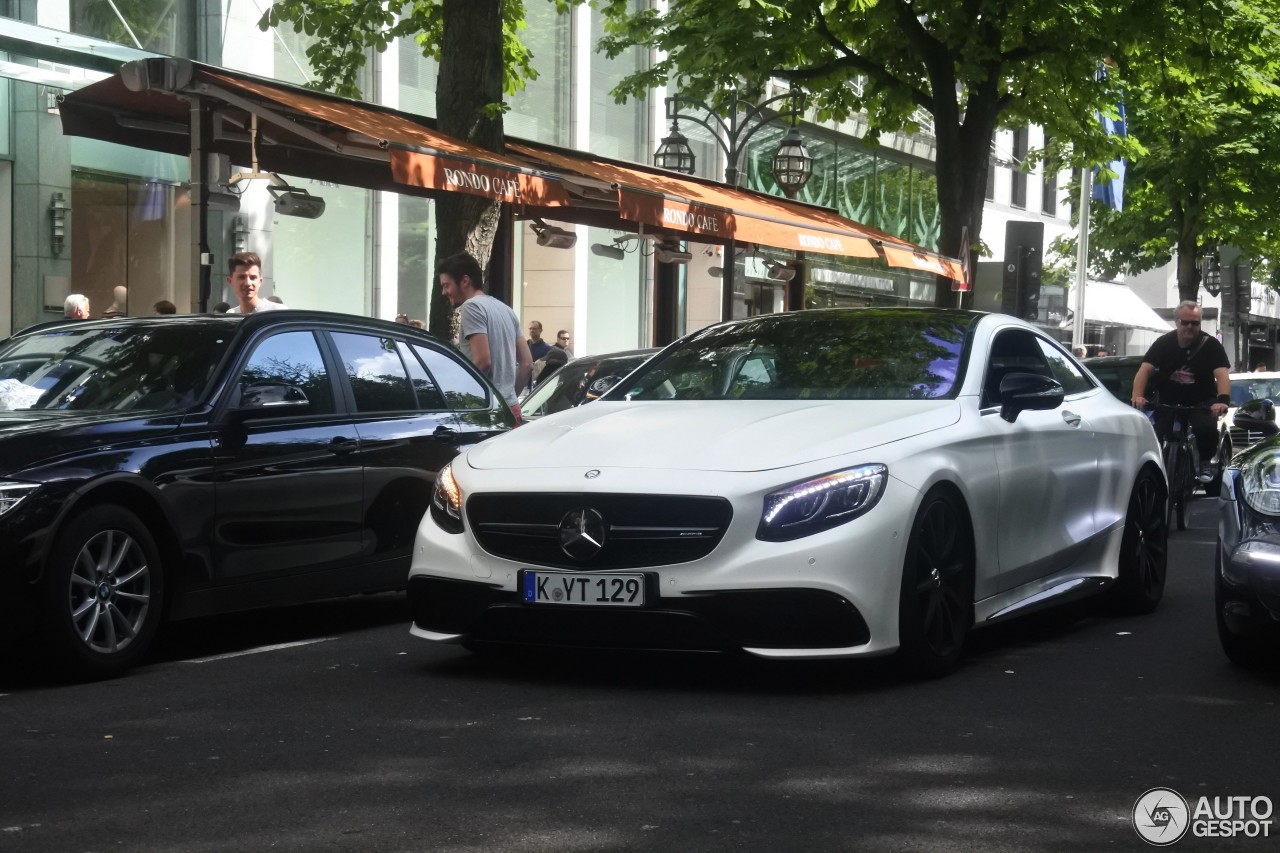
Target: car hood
pixel 28 437
pixel 728 435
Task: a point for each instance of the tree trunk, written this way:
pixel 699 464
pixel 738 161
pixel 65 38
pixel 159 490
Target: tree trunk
pixel 963 157
pixel 1187 221
pixel 470 53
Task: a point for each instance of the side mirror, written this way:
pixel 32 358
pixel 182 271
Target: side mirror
pixel 264 399
pixel 1257 416
pixel 1021 392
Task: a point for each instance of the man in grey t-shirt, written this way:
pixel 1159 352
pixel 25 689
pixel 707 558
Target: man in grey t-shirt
pixel 490 333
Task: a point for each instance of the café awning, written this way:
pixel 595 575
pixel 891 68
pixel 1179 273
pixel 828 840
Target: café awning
pixel 283 128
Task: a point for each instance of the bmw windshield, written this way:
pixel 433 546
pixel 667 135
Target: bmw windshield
pixel 142 367
pixel 857 354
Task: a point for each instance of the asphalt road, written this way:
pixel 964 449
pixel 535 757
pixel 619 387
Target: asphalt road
pixel 329 728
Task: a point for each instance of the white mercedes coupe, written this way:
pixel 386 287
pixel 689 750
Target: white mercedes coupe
pixel 818 484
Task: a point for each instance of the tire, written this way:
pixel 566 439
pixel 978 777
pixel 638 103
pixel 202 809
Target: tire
pixel 935 603
pixel 1241 649
pixel 103 592
pixel 1144 549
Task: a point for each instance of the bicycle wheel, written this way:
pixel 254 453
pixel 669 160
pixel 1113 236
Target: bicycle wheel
pixel 1186 484
pixel 1173 470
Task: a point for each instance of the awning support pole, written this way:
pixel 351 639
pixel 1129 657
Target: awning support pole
pixel 201 257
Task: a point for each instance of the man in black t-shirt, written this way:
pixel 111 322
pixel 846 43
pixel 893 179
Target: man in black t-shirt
pixel 1190 368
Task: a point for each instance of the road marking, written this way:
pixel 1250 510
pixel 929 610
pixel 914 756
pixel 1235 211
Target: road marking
pixel 260 650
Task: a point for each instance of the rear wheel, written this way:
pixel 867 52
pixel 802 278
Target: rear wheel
pixel 1173 470
pixel 1144 548
pixel 103 592
pixel 935 606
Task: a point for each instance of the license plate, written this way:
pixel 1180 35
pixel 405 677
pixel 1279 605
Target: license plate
pixel 596 590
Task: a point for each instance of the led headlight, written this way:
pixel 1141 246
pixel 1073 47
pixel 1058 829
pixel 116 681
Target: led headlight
pixel 446 501
pixel 12 493
pixel 821 503
pixel 1260 482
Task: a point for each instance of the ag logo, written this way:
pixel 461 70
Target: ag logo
pixel 1161 816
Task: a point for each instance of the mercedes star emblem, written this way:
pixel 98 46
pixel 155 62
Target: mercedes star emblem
pixel 582 533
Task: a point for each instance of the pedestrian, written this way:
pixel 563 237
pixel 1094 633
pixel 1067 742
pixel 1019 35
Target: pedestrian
pixel 548 364
pixel 222 308
pixel 76 307
pixel 119 302
pixel 164 306
pixel 1081 352
pixel 417 324
pixel 245 279
pixel 402 319
pixel 562 341
pixel 537 346
pixel 1260 367
pixel 489 331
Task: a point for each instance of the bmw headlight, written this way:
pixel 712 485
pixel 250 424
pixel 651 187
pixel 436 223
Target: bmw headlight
pixel 446 501
pixel 12 493
pixel 821 503
pixel 1260 482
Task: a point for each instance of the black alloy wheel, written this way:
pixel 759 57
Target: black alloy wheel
pixel 1144 548
pixel 935 608
pixel 103 592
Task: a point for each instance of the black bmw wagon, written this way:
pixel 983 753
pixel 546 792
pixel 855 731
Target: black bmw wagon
pixel 169 467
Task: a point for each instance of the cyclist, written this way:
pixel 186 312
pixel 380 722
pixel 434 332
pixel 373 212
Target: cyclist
pixel 1191 368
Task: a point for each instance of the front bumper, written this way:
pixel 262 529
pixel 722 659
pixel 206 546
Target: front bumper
pixel 832 594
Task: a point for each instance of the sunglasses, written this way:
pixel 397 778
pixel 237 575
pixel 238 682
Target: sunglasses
pixel 1189 322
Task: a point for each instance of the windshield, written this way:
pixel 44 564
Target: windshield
pixel 873 354
pixel 1244 390
pixel 580 382
pixel 116 368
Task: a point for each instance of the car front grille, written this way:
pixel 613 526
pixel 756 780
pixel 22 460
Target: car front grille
pixel 638 530
pixel 1241 438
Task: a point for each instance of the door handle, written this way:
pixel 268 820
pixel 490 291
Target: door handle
pixel 444 433
pixel 1071 418
pixel 342 445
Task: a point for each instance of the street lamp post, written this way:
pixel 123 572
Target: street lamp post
pixel 792 163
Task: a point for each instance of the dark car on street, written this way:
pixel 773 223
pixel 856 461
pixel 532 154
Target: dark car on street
pixel 581 381
pixel 1247 571
pixel 171 467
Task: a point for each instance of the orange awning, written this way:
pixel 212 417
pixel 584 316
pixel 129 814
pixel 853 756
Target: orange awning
pixel 913 258
pixel 419 156
pixel 663 200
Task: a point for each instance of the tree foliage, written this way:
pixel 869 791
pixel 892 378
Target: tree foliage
pixel 1207 108
pixel 971 66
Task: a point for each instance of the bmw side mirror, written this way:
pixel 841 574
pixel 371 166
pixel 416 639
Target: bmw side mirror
pixel 1021 392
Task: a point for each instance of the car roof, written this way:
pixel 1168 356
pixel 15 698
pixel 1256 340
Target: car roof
pixel 1261 374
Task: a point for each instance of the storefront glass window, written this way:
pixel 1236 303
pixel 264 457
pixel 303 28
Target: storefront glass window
pixel 617 130
pixel 5 148
pixel 614 296
pixel 541 111
pixel 160 26
pixel 415 256
pixel 323 263
pixel 130 233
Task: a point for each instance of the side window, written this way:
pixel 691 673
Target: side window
pixel 291 359
pixel 378 377
pixel 1013 351
pixel 461 389
pixel 1072 379
pixel 429 397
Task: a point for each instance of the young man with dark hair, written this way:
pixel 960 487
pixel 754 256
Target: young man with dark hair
pixel 489 332
pixel 245 279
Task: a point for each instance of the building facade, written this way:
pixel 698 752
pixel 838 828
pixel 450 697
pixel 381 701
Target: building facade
pixel 90 216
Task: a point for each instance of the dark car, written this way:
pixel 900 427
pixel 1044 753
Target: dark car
pixel 1116 373
pixel 580 381
pixel 170 467
pixel 1247 576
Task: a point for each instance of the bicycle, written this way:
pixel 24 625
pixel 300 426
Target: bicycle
pixel 1181 461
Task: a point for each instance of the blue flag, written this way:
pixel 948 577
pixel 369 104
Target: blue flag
pixel 1112 192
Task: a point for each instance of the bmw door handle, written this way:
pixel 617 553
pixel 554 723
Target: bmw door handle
pixel 444 433
pixel 342 445
pixel 1071 418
